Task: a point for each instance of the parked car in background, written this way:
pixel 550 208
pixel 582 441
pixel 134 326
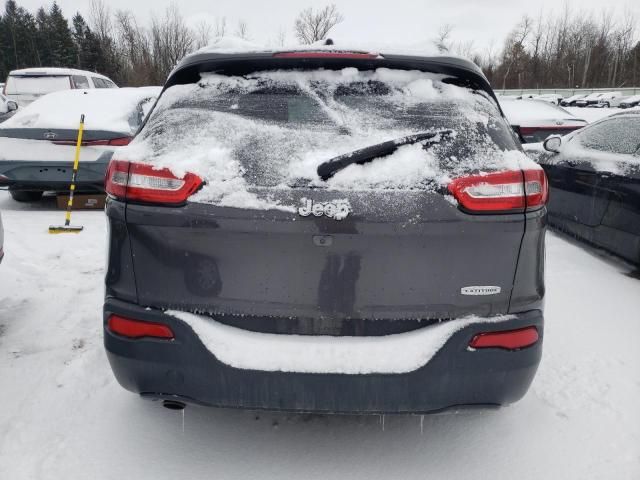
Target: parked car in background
pixel 630 102
pixel 549 97
pixel 607 100
pixel 590 99
pixel 594 179
pixel 304 225
pixel 535 120
pixel 37 144
pixel 526 96
pixel 7 108
pixel 611 102
pixel 26 85
pixel 571 101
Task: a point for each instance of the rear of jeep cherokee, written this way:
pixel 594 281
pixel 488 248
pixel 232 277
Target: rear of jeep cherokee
pixel 379 248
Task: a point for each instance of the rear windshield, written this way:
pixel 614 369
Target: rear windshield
pixel 17 85
pixel 275 128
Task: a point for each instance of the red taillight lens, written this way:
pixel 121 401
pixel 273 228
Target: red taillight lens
pixel 138 329
pixel 141 182
pixel 501 191
pixel 328 54
pixel 120 142
pixel 508 339
pixel 114 142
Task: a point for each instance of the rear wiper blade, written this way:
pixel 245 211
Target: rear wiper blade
pixel 328 169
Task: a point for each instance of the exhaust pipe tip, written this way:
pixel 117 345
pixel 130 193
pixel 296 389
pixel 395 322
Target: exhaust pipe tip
pixel 173 405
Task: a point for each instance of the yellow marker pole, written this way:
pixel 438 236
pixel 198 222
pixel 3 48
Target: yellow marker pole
pixel 76 162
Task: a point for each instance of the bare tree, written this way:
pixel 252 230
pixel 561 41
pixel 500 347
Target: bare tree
pixel 442 40
pixel 312 26
pixel 221 27
pixel 242 30
pixel 100 19
pixel 202 33
pixel 281 37
pixel 171 40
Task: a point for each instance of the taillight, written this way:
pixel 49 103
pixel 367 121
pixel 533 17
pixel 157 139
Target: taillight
pixel 328 54
pixel 141 182
pixel 114 142
pixel 507 339
pixel 130 328
pixel 501 191
pixel 120 142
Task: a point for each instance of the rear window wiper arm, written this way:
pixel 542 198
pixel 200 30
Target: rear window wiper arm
pixel 328 169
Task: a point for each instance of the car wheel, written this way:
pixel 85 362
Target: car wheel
pixel 607 105
pixel 26 196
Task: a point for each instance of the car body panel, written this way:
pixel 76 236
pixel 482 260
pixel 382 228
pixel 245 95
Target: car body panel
pixel 400 260
pixel 599 206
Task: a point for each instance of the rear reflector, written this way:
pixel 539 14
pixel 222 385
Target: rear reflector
pixel 141 182
pixel 508 339
pixel 501 191
pixel 137 329
pixel 328 54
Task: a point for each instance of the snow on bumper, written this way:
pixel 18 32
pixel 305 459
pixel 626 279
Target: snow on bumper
pixel 391 354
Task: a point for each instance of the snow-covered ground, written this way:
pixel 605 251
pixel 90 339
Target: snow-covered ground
pixel 63 416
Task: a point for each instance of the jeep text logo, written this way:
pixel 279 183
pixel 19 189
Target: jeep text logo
pixel 337 209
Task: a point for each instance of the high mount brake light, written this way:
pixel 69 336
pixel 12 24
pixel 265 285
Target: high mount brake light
pixel 501 191
pixel 327 54
pixel 143 183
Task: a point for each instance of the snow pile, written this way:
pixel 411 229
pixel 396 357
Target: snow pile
pixel 325 354
pixel 110 109
pixel 273 129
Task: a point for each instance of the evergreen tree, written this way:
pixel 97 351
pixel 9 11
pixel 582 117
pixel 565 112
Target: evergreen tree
pixel 43 40
pixel 63 50
pixel 90 55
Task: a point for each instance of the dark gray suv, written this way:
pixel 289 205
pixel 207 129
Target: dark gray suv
pixel 325 230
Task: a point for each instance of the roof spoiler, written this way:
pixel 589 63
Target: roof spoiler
pixel 463 72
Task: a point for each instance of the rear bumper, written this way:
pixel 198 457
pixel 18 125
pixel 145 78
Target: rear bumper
pixel 51 176
pixel 184 369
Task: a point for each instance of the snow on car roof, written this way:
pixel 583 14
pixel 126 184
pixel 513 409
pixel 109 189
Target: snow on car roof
pixel 231 45
pixel 107 109
pixel 519 111
pixel 53 71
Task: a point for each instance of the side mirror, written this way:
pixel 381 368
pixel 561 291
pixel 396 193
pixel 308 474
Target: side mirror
pixel 553 143
pixel 11 106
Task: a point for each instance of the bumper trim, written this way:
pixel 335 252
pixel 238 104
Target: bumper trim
pixel 453 377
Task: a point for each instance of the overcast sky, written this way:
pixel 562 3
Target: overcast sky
pixel 384 21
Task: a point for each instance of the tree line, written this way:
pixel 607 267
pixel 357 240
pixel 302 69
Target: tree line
pixel 565 50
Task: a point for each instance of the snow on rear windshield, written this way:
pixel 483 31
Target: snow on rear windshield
pixel 273 129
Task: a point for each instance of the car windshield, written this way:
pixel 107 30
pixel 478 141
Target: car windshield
pixel 275 128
